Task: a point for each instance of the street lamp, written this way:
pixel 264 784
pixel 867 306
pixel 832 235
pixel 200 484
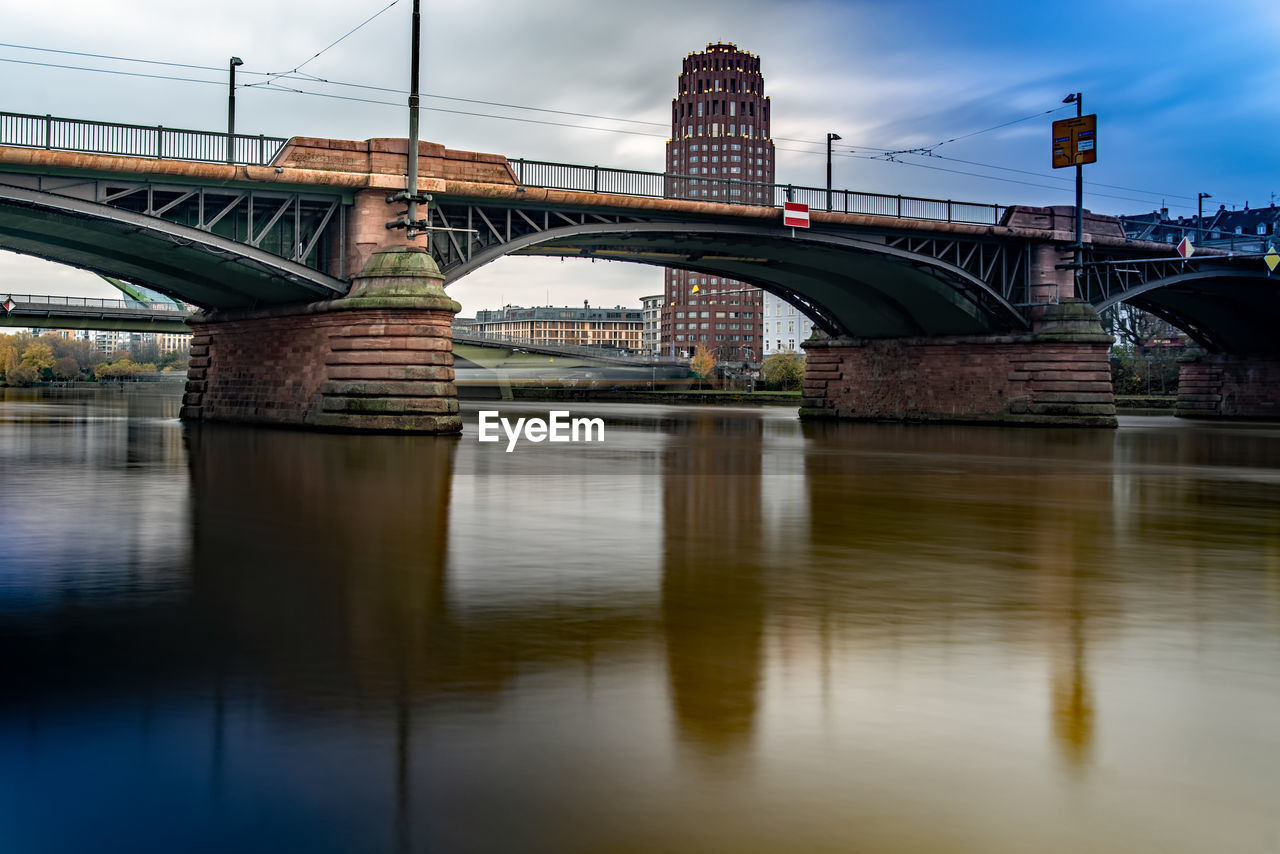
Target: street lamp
pixel 231 109
pixel 1200 197
pixel 831 137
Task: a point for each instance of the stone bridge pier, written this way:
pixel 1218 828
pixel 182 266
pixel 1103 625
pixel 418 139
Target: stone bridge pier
pixel 1221 385
pixel 1058 373
pixel 379 359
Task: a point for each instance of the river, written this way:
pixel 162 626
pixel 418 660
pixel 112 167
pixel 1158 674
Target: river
pixel 718 630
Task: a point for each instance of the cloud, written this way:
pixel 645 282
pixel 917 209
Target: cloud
pixel 1187 100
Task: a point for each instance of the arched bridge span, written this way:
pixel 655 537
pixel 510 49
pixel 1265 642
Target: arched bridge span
pixel 862 284
pixel 1228 304
pixel 212 247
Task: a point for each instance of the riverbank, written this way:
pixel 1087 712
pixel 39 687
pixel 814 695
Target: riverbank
pixel 1145 405
pixel 1130 405
pixel 706 397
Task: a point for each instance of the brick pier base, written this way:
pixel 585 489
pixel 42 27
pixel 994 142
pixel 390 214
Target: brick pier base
pixel 1222 386
pixel 379 360
pixel 1057 376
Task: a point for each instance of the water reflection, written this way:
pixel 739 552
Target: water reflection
pixel 94 486
pixel 945 535
pixel 713 598
pixel 348 538
pixel 720 630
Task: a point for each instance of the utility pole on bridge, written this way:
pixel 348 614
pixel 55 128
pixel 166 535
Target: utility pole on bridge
pixel 231 110
pixel 1075 143
pixel 1078 98
pixel 409 220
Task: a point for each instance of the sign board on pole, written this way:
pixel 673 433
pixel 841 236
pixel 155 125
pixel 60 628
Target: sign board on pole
pixel 1185 248
pixel 1075 141
pixel 795 214
pixel 1272 258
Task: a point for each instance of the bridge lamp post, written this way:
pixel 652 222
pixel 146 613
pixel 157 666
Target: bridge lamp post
pixel 1078 99
pixel 231 110
pixel 1200 197
pixel 831 137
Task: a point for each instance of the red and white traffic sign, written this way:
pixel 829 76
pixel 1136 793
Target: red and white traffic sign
pixel 1185 248
pixel 9 305
pixel 795 214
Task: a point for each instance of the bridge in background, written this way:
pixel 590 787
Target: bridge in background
pixel 131 315
pixel 62 312
pixel 463 335
pixel 295 222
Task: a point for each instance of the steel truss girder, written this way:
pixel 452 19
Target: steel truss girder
pixel 154 231
pixel 1109 277
pixel 466 229
pixel 1004 266
pixel 298 226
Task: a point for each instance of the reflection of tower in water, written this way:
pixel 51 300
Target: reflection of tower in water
pixel 937 536
pixel 712 590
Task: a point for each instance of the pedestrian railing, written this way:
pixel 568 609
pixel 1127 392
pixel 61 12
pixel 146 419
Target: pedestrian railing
pixel 630 182
pixel 43 301
pixel 51 132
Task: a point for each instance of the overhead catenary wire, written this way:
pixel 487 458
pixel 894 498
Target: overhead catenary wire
pixel 879 153
pixel 290 76
pixel 340 38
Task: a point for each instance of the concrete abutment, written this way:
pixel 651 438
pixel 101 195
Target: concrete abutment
pixel 377 360
pixel 1059 375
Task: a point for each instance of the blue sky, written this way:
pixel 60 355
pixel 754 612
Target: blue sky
pixel 1188 95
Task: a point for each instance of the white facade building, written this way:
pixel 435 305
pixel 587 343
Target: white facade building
pixel 784 326
pixel 650 344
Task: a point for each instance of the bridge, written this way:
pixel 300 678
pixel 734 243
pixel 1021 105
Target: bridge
pixel 975 304
pixel 64 312
pixel 601 355
pixel 135 315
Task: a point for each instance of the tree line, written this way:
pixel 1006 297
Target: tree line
pixel 26 359
pixel 779 372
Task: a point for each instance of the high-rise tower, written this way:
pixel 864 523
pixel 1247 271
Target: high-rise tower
pixel 720 140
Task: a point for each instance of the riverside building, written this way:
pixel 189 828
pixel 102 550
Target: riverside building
pixel 785 326
pixel 614 328
pixel 720 146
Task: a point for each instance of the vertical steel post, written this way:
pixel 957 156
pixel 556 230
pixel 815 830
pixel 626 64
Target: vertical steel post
pixel 1079 192
pixel 830 137
pixel 231 108
pixel 411 187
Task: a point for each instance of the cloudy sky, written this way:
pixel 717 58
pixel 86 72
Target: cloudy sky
pixel 1187 94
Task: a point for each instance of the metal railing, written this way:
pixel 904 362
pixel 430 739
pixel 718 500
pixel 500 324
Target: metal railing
pixel 51 132
pixel 631 182
pixel 50 301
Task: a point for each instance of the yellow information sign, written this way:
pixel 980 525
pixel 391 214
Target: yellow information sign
pixel 1075 141
pixel 1272 258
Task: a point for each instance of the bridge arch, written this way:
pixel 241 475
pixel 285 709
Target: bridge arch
pixel 850 285
pixel 191 264
pixel 1226 310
